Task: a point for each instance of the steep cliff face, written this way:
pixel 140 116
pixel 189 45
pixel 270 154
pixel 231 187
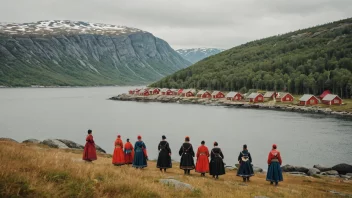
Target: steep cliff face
pixel 77 53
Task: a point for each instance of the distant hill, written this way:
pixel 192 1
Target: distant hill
pixel 196 54
pixel 64 53
pixel 305 61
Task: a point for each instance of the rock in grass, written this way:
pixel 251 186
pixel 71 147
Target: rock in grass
pixel 8 140
pixel 290 168
pixel 177 184
pixel 71 144
pixel 54 143
pixel 298 173
pixel 99 149
pixel 32 141
pixel 313 171
pixel 322 168
pixel 330 172
pixel 257 169
pixel 342 168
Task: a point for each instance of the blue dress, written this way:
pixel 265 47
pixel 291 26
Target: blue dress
pixel 246 168
pixel 140 159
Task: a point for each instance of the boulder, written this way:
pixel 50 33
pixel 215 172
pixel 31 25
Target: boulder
pixel 290 168
pixel 313 171
pixel 298 173
pixel 257 169
pixel 33 141
pixel 342 168
pixel 345 176
pixel 71 144
pixel 330 172
pixel 54 143
pixel 322 168
pixel 99 149
pixel 177 184
pixel 349 174
pixel 8 140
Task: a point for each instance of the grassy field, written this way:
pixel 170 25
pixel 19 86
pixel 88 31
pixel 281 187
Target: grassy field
pixel 38 171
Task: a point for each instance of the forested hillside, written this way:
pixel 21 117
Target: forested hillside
pixel 304 61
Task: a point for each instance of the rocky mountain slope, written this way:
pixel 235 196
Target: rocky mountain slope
pixel 196 54
pixel 305 61
pixel 84 54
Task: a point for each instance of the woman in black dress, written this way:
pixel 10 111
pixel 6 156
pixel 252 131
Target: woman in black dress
pixel 187 154
pixel 164 159
pixel 216 164
pixel 245 160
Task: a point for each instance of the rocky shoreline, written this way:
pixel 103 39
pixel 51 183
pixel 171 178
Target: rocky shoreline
pixel 231 104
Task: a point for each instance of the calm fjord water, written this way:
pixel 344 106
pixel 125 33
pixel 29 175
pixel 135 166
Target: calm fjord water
pixel 67 113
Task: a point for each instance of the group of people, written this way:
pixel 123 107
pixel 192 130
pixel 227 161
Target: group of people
pixel 138 157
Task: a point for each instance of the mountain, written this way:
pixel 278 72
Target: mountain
pixel 196 54
pixel 65 52
pixel 305 61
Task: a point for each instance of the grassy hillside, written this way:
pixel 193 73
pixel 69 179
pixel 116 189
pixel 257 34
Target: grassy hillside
pixel 304 61
pixel 37 171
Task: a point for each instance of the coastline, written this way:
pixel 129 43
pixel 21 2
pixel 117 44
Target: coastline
pixel 277 106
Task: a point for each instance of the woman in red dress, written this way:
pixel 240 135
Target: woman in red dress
pixel 129 152
pixel 202 166
pixel 118 158
pixel 89 153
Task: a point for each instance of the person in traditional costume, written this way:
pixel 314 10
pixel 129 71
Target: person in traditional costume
pixel 202 165
pixel 217 166
pixel 140 154
pixel 274 173
pixel 89 153
pixel 129 152
pixel 118 157
pixel 245 160
pixel 187 154
pixel 164 158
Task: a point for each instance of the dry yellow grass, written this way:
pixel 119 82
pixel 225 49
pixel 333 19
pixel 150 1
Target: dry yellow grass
pixel 36 171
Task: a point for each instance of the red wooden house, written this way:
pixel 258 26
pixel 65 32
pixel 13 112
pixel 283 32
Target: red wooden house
pixel 255 97
pixel 144 92
pixel 326 92
pixel 331 99
pixel 136 91
pixel 269 95
pixel 203 94
pixel 166 91
pixel 174 92
pixel 188 93
pixel 308 99
pixel 179 92
pixel 131 92
pixel 284 97
pixel 154 91
pixel 234 96
pixel 218 94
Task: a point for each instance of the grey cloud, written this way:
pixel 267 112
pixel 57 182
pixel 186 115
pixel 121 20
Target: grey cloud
pixel 185 23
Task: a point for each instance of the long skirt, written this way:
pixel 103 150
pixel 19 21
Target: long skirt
pixel 274 173
pixel 164 160
pixel 245 170
pixel 202 164
pixel 217 166
pixel 119 157
pixel 140 160
pixel 129 157
pixel 187 162
pixel 89 153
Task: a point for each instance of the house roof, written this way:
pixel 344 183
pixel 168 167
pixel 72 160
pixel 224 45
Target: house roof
pixel 306 97
pixel 326 92
pixel 330 97
pixel 253 95
pixel 269 94
pixel 282 94
pixel 201 92
pixel 215 93
pixel 231 94
pixel 189 90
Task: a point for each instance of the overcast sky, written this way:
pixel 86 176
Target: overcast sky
pixel 187 23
